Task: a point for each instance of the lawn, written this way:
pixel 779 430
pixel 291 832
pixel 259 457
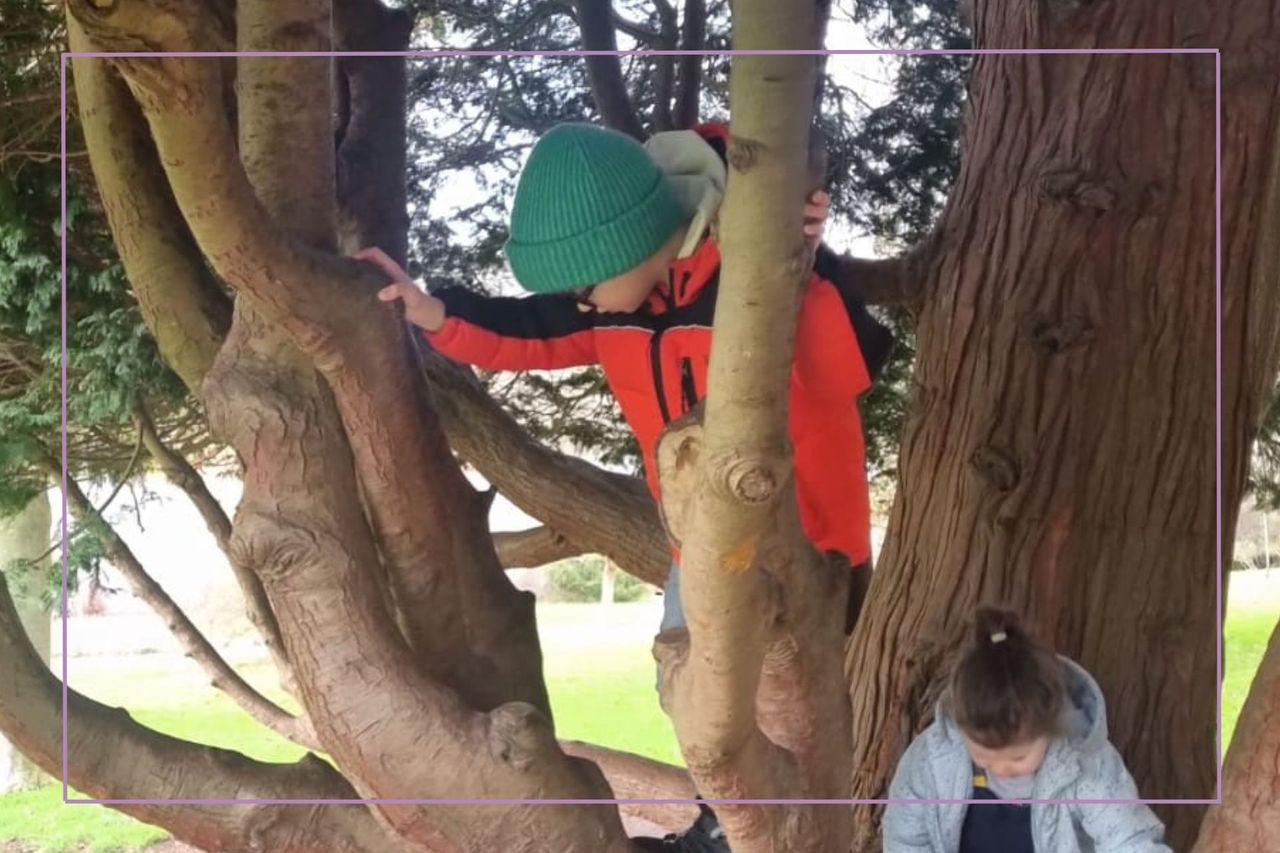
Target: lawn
pixel 599 673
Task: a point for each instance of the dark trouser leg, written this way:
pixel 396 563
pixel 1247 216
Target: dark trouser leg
pixel 859 580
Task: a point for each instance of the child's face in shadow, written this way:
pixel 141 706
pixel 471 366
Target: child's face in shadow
pixel 625 293
pixel 1017 759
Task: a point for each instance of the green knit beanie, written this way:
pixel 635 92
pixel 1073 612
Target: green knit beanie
pixel 591 204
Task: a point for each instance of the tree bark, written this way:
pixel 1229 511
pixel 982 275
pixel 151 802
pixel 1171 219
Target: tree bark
pixel 301 524
pixel 112 757
pixel 1249 813
pixel 1058 451
pixel 181 473
pixel 183 306
pixel 24 562
pixel 636 778
pixel 528 549
pixel 754 686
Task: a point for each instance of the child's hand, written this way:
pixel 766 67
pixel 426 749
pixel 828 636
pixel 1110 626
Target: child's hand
pixel 815 216
pixel 421 309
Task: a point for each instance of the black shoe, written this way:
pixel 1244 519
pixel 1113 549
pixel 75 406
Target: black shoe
pixel 705 836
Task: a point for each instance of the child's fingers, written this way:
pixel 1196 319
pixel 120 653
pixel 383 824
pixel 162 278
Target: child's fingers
pixel 391 293
pixel 382 261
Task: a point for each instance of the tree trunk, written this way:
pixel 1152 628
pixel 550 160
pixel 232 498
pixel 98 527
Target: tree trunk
pixel 608 580
pixel 754 686
pixel 25 537
pixel 1058 454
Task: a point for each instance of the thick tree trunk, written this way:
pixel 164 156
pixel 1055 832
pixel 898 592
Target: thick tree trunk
pixel 25 537
pixel 1249 816
pixel 1059 450
pixel 323 448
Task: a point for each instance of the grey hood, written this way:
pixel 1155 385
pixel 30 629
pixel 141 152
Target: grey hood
pixel 1081 764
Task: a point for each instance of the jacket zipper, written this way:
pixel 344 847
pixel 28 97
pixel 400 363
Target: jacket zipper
pixel 655 351
pixel 655 362
pixel 688 387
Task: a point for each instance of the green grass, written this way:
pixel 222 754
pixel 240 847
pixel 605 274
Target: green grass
pixel 1252 611
pixel 599 673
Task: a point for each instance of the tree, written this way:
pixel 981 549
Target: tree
pixel 372 550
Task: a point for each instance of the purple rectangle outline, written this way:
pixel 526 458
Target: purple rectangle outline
pixel 431 54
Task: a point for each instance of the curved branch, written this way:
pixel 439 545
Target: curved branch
pixel 326 306
pixel 608 86
pixel 528 549
pixel 183 306
pixel 181 473
pixel 156 766
pixel 198 648
pixel 636 30
pixel 300 522
pixel 634 777
pixel 599 511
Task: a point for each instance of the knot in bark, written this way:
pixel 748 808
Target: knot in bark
pixel 751 480
pixel 1056 335
pixel 1078 188
pixel 997 465
pixel 743 153
pixel 518 734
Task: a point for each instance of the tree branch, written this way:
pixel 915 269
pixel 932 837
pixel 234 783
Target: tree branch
pixel 183 306
pixel 198 648
pixel 326 306
pixel 527 549
pixel 181 473
pixel 887 281
pixel 372 208
pixel 300 523
pixel 608 87
pixel 633 777
pixel 665 68
pixel 694 38
pixel 599 511
pixel 162 767
pixel 637 31
pixel 754 599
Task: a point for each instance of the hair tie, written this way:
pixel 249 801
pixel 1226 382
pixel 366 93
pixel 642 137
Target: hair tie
pixel 999 637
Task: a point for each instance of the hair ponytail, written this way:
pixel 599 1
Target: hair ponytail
pixel 1006 688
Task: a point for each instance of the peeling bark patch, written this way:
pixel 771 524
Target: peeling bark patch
pixel 996 465
pixel 742 556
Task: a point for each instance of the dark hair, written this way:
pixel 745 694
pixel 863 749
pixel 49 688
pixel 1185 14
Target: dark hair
pixel 1006 688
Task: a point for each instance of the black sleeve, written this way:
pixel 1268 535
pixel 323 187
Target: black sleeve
pixel 874 338
pixel 540 316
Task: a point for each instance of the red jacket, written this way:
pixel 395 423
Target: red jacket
pixel 655 361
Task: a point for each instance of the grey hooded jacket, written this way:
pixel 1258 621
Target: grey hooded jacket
pixel 1080 765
